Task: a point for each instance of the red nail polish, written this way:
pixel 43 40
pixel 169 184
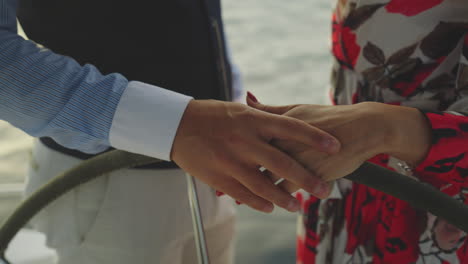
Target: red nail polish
pixel 218 193
pixel 252 97
pixel 238 203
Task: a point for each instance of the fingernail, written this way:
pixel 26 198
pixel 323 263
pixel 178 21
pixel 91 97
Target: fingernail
pixel 269 208
pixel 321 189
pixel 218 193
pixel 330 145
pixel 252 97
pixel 238 203
pixel 293 206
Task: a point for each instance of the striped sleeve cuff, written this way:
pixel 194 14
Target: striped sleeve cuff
pixel 146 120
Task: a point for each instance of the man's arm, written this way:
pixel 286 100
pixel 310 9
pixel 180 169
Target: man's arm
pixel 46 94
pixel 223 144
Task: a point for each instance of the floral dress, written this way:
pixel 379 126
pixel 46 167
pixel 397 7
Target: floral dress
pixel 402 52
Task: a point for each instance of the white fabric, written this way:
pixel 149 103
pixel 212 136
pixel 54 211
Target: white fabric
pixel 146 120
pixel 130 216
pixel 28 247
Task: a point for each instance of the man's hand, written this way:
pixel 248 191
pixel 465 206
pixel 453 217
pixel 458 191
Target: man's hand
pixel 225 144
pixel 364 130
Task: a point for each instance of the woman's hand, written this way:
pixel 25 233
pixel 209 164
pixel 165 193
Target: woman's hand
pixel 364 130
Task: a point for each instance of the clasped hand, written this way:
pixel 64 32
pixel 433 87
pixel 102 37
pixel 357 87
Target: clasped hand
pixel 364 130
pixel 352 125
pixel 310 146
pixel 225 144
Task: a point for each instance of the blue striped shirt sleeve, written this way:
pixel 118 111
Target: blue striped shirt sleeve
pixel 45 94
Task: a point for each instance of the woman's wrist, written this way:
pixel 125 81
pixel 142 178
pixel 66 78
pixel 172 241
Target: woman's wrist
pixel 408 133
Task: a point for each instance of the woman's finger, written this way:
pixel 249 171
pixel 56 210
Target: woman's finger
pixel 289 186
pixel 278 110
pixel 239 192
pixel 286 167
pixel 285 185
pixel 299 131
pixel 259 184
pixel 294 129
pixel 274 179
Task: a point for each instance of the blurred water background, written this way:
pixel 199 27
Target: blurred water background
pixel 282 49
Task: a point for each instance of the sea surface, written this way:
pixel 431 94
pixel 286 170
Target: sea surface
pixel 282 49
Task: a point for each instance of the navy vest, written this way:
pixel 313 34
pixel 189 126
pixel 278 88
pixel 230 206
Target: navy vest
pixel 175 44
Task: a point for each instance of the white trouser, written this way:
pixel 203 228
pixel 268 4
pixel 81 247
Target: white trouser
pixel 128 216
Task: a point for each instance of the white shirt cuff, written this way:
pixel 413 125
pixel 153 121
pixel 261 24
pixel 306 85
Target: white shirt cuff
pixel 146 120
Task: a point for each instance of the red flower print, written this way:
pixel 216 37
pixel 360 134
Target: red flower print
pixel 306 249
pixel 345 48
pixel 411 7
pixel 361 220
pixel 462 252
pixel 302 252
pixel 307 242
